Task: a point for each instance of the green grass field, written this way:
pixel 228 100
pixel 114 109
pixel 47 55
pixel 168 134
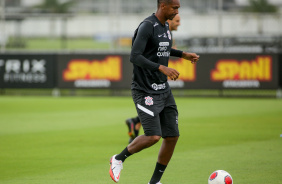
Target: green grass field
pixel 51 44
pixel 69 140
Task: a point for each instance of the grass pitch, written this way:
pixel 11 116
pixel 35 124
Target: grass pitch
pixel 51 44
pixel 70 140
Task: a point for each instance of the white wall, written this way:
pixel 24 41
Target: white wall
pixel 31 2
pixel 191 25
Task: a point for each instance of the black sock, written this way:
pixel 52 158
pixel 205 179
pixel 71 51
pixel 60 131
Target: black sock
pixel 123 155
pixel 136 132
pixel 159 170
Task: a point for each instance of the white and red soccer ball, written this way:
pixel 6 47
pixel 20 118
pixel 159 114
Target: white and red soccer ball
pixel 220 177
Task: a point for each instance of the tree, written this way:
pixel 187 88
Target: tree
pixel 55 6
pixel 261 6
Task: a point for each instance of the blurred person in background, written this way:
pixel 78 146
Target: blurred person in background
pixel 134 123
pixel 173 26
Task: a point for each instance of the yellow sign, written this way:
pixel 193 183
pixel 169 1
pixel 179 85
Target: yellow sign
pixel 186 69
pixel 257 69
pixel 110 69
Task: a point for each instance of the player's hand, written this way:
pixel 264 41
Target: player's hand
pixel 170 72
pixel 193 57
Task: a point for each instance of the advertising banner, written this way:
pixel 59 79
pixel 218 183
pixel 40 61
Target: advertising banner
pixel 94 71
pixel 27 71
pixel 228 71
pixel 188 73
pixel 114 71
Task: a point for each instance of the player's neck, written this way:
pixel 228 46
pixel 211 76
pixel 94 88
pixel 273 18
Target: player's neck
pixel 161 17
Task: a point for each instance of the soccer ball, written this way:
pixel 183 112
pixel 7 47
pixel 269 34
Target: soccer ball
pixel 220 177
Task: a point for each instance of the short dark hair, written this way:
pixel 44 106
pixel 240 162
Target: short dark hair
pixel 163 1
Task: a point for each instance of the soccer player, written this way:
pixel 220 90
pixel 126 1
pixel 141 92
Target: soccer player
pixel 134 124
pixel 173 26
pixel 151 93
pixel 174 23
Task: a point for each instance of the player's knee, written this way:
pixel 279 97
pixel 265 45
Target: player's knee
pixel 154 139
pixel 172 139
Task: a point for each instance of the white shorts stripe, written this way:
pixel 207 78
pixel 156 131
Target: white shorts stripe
pixel 145 110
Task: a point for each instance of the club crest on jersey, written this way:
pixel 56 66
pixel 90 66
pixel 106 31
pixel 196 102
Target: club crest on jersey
pixel 149 100
pixel 168 34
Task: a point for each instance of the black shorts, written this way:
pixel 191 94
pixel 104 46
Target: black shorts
pixel 158 113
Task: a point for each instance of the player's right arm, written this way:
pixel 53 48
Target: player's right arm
pixel 170 72
pixel 145 31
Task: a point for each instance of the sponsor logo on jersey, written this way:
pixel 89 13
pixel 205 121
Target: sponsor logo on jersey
pixel 162 50
pixel 157 87
pixel 163 54
pixel 162 35
pixel 164 44
pixel 156 24
pixel 169 35
pixel 149 101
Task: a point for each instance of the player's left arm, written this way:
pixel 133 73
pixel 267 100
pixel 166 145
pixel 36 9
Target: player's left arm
pixel 193 57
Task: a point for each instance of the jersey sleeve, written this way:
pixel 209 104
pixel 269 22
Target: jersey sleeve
pixel 145 31
pixel 176 53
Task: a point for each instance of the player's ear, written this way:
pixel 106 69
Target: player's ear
pixel 163 5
